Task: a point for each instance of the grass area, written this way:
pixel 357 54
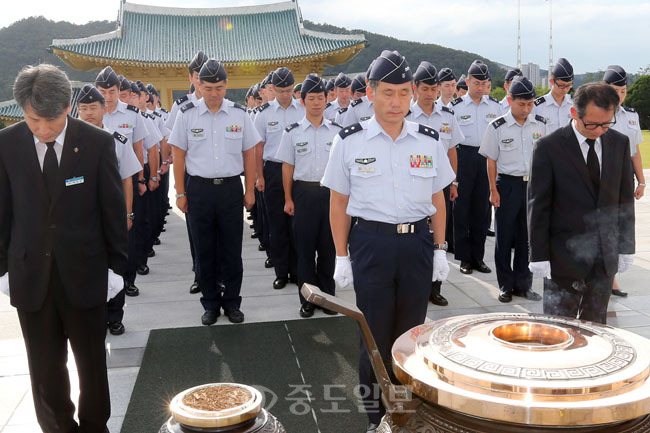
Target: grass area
pixel 644 148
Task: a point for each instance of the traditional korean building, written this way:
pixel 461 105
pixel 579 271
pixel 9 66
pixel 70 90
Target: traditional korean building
pixel 155 44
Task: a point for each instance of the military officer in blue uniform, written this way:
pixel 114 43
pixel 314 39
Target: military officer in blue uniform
pixel 474 112
pixel 213 142
pixel 342 84
pixel 556 105
pixel 270 123
pixel 510 75
pixel 508 145
pixel 427 111
pixel 358 87
pixel 359 110
pixel 462 88
pixel 389 173
pixel 447 81
pixel 627 122
pixel 304 151
pixel 331 90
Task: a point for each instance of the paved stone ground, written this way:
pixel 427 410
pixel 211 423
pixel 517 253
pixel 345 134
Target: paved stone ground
pixel 165 302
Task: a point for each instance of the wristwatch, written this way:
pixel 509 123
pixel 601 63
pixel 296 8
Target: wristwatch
pixel 131 216
pixel 180 195
pixel 441 246
pixel 142 181
pixel 153 179
pixel 454 183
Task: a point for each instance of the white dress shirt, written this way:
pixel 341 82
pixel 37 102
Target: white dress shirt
pixel 41 147
pixel 584 147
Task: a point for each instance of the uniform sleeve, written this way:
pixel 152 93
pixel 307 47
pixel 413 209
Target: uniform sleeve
pixel 260 126
pixel 337 175
pixel 164 131
pixel 285 151
pixel 140 131
pixel 444 173
pixel 489 145
pixel 169 123
pixel 129 164
pixel 348 117
pixel 251 136
pixel 178 137
pixel 154 136
pixel 457 136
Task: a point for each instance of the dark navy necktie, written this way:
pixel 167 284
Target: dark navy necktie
pixel 50 168
pixel 592 164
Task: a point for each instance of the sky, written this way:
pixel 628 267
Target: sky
pixel 591 34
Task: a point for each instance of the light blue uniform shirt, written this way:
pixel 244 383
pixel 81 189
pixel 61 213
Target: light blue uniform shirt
pixel 511 144
pixel 271 121
pixel 307 148
pixel 154 137
pixel 331 110
pixel 388 181
pixel 627 122
pixel 358 111
pixel 214 142
pixel 442 119
pixel 127 161
pixel 473 118
pixel 127 120
pixel 556 116
pixel 178 104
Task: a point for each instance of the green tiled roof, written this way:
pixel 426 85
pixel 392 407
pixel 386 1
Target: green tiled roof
pixel 11 110
pixel 163 35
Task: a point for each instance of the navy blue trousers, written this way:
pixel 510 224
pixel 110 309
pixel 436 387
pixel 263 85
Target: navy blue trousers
pixel 392 282
pixel 216 221
pixel 513 275
pixel 471 208
pixel 137 234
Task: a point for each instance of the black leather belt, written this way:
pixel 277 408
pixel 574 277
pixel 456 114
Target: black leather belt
pixel 215 181
pixel 464 146
pixel 401 229
pixel 308 184
pixel 520 178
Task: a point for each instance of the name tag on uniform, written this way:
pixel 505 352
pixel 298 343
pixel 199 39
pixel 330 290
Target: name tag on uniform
pixel 421 161
pixel 74 181
pixel 366 169
pixel 302 150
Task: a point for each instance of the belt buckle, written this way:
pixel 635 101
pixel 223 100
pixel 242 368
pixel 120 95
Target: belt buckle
pixel 405 228
pixel 217 181
pixel 525 178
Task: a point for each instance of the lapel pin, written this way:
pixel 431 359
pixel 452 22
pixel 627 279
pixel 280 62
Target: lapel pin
pixel 76 149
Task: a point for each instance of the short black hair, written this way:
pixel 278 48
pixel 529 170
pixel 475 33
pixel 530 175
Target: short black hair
pixel 602 95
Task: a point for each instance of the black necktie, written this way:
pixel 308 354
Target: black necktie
pixel 592 164
pixel 50 168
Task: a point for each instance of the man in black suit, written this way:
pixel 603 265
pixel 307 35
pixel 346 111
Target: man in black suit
pixel 581 207
pixel 62 227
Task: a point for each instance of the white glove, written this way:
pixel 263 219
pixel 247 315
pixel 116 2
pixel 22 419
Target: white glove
pixel 115 285
pixel 440 265
pixel 4 284
pixel 625 262
pixel 541 269
pixel 343 272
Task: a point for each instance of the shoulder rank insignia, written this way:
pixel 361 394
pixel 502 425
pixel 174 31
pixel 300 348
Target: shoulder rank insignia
pixel 290 127
pixel 427 130
pixel 349 130
pixel 328 105
pixel 182 99
pixel 498 122
pixel 540 100
pixel 133 108
pixel 343 110
pixel 155 113
pixel 456 101
pixel 409 113
pixel 164 111
pixel 540 118
pixel 119 137
pixel 365 161
pixel 186 107
pixel 241 107
pixel 493 99
pixel 264 106
pixel 447 109
pixel 357 102
pixel 629 109
pixel 335 124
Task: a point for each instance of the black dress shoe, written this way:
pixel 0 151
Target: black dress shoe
pixel 505 296
pixel 618 292
pixel 255 235
pixel 465 267
pixel 261 247
pixel 268 263
pixel 293 279
pixel 528 294
pixel 210 317
pixel 280 283
pixel 482 267
pixel 131 290
pixel 142 270
pixel 116 328
pixel 438 299
pixel 156 242
pixel 194 288
pixel 151 253
pixel 235 315
pixel 372 427
pixel 307 309
pixel 329 312
pixel 490 233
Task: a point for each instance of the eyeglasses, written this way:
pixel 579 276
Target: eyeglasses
pixel 592 126
pixel 563 86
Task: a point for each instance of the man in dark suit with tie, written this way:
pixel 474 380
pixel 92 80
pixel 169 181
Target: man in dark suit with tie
pixel 581 207
pixel 62 235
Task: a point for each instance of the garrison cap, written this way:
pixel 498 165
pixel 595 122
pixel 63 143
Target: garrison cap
pixel 152 89
pixel 212 72
pixel 89 94
pixel 125 84
pixel 342 80
pixel 446 74
pixel 266 80
pixel 198 61
pixel 512 73
pixel 563 70
pixel 107 78
pixel 462 82
pixel 369 68
pixel 391 67
pixel 330 84
pixel 297 87
pixel 134 88
pixel 282 77
pixel 359 84
pixel 312 84
pixel 615 75
pixel 192 88
pixel 141 86
pixel 426 73
pixel 478 70
pixel 522 88
pixel 256 91
pixel 249 92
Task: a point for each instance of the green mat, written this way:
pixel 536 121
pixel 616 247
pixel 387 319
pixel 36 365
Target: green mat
pixel 285 360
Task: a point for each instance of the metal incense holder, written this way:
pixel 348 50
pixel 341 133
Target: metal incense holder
pixel 246 417
pixel 503 373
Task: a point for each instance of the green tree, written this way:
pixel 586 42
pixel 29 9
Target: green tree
pixel 499 93
pixel 638 97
